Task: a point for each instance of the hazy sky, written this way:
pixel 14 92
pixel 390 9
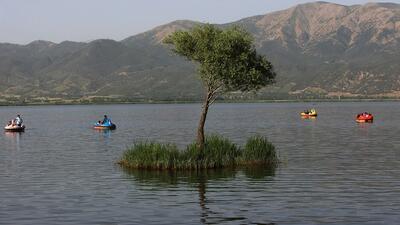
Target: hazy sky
pixel 22 21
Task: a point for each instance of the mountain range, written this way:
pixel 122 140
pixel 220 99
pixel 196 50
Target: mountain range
pixel 319 50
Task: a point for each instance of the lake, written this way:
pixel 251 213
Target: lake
pixel 333 170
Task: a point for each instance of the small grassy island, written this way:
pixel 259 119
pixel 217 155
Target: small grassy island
pixel 218 152
pixel 227 61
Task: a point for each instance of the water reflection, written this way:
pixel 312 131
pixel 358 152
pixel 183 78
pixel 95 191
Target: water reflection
pixel 363 129
pixel 14 139
pixel 105 133
pixel 200 180
pixel 309 118
pixel 259 173
pixel 174 178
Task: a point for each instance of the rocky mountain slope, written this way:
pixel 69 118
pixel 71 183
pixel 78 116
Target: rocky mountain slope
pixel 320 50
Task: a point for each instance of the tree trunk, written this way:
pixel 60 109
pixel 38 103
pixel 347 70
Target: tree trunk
pixel 200 129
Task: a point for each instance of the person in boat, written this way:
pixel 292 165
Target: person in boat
pixel 309 111
pixel 18 120
pixel 365 114
pixel 106 121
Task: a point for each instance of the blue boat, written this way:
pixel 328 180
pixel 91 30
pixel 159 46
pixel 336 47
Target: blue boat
pixel 107 126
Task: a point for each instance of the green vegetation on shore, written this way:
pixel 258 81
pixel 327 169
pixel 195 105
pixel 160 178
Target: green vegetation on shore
pixel 219 152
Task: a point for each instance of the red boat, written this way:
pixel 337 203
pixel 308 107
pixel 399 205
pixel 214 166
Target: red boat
pixel 365 118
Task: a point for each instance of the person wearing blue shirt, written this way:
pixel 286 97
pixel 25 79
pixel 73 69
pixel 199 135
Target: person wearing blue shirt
pixel 106 120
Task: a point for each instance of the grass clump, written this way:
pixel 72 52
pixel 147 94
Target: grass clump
pixel 151 155
pixel 259 151
pixel 218 152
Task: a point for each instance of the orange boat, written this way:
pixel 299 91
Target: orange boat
pixel 365 118
pixel 14 128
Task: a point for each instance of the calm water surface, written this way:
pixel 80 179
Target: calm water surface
pixel 334 171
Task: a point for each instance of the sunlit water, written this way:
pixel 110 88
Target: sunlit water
pixel 333 170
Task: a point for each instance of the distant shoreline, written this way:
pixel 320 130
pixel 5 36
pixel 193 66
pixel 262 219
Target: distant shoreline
pixel 195 102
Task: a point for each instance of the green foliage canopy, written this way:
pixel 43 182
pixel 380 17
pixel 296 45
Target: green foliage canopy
pixel 227 59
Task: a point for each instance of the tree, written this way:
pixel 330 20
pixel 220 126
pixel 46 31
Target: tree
pixel 227 61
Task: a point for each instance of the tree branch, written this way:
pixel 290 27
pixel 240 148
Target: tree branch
pixel 212 100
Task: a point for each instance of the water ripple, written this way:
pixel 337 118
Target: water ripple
pixel 334 170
